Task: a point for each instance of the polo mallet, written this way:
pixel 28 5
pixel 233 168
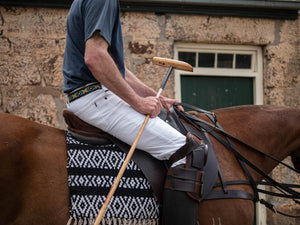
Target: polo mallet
pixel 172 64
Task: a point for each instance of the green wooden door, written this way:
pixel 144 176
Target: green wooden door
pixel 211 92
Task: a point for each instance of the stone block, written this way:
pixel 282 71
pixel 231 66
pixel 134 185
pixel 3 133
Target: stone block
pixel 4 45
pixel 34 22
pixel 140 25
pixel 51 70
pixel 42 110
pixel 211 29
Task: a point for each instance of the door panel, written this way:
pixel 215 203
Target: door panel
pixel 211 92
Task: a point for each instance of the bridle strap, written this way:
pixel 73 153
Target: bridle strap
pixel 191 117
pixel 211 129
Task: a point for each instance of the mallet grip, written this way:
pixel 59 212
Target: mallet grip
pixel 179 65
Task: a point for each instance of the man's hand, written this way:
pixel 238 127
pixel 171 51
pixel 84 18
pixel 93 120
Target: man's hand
pixel 168 102
pixel 149 106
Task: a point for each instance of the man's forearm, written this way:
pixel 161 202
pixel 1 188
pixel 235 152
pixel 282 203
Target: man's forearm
pixel 138 86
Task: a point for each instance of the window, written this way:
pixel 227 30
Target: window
pixel 217 59
pixel 223 76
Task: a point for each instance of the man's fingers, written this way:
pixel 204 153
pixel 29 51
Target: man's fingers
pixel 157 107
pixel 151 106
pixel 180 108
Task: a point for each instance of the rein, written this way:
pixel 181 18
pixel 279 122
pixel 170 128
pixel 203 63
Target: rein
pixel 215 129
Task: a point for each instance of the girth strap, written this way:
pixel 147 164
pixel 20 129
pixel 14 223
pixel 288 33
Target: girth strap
pixel 237 194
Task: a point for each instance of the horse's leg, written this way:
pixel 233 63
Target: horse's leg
pixel 33 176
pixel 226 212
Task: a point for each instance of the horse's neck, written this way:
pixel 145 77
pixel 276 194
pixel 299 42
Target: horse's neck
pixel 282 128
pixel 273 130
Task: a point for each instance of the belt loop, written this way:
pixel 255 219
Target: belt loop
pixel 67 100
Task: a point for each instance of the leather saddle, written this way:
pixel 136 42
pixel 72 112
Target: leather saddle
pixel 154 170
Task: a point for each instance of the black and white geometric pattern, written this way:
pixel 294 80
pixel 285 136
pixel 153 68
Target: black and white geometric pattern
pixel 91 172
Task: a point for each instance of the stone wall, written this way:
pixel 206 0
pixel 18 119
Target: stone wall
pixel 32 45
pixel 31 50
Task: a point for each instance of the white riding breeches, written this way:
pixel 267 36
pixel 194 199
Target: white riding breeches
pixel 105 110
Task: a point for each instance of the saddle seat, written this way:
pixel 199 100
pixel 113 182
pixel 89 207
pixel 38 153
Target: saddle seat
pixel 85 132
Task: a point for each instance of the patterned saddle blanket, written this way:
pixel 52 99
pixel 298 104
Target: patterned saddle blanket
pixel 91 172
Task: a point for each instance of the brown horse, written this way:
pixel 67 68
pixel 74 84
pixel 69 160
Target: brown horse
pixel 33 175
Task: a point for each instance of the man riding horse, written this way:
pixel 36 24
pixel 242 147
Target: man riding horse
pixel 101 91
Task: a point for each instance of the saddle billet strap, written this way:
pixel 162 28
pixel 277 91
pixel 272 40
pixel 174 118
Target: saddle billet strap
pixel 185 173
pixel 184 185
pixel 188 180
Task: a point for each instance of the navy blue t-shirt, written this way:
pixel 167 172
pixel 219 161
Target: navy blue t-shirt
pixel 86 17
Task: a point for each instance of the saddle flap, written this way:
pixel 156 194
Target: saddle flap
pixel 154 170
pixel 210 172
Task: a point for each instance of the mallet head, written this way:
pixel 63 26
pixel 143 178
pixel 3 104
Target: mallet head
pixel 179 65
